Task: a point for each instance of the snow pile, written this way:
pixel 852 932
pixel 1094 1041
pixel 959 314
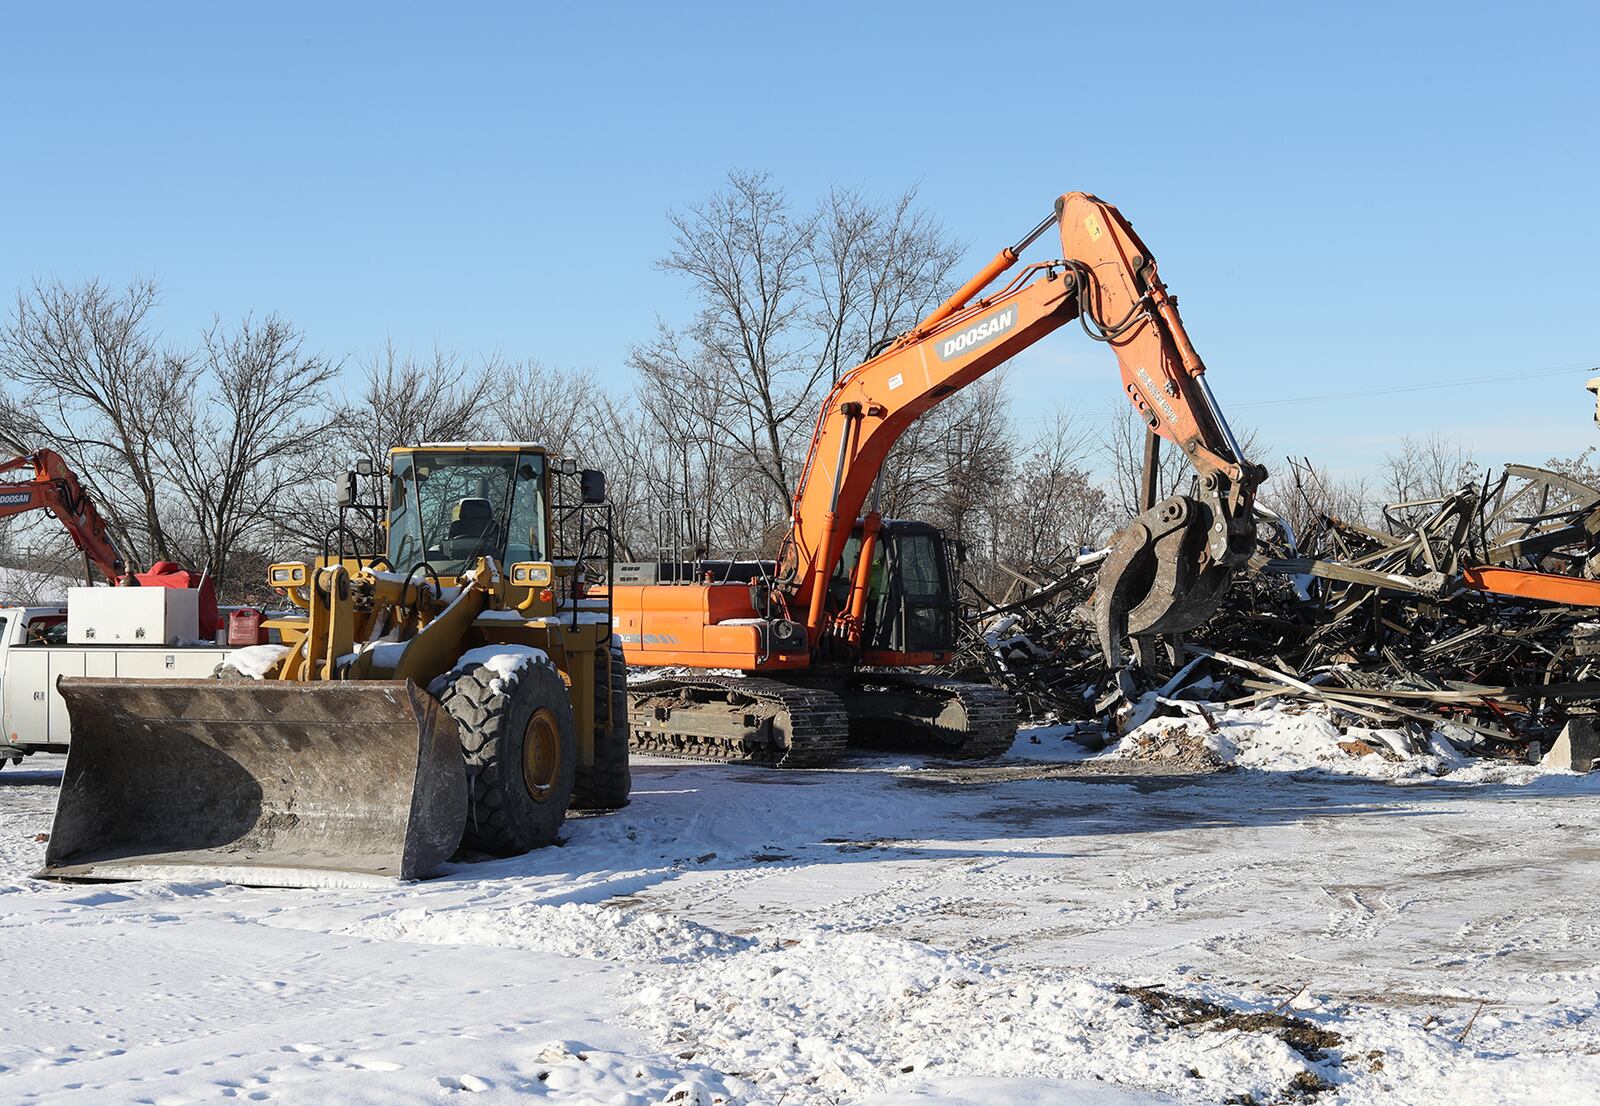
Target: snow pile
pixel 1009 1092
pixel 255 661
pixel 640 673
pixel 1282 738
pixel 572 1071
pixel 572 929
pixel 503 660
pixel 840 1015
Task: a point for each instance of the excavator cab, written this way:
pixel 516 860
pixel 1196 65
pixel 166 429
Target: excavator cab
pixel 910 615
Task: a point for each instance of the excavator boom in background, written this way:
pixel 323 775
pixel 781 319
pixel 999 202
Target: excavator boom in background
pixel 826 633
pixel 56 489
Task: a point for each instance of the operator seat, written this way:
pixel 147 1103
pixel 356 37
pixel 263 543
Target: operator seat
pixel 472 528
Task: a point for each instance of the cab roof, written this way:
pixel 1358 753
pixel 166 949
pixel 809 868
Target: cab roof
pixel 474 447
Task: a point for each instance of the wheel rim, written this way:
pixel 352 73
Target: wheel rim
pixel 541 755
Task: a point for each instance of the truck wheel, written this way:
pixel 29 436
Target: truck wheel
pixel 520 744
pixel 605 784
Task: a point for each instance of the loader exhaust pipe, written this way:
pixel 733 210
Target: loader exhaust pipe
pixel 258 782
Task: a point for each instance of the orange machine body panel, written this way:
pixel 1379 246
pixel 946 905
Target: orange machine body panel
pixel 698 625
pixel 1551 588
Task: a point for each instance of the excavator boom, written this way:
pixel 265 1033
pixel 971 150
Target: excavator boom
pixel 55 488
pixel 1170 565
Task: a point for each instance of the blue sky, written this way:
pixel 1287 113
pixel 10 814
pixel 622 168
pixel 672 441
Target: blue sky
pixel 1345 197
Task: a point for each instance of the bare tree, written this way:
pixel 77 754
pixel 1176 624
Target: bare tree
pixel 1426 468
pixel 255 430
pixel 1302 495
pixel 618 441
pixel 788 303
pixel 41 578
pixel 1124 443
pixel 690 452
pixel 37 561
pixel 747 259
pixel 1124 449
pixel 952 460
pixel 89 379
pixel 878 269
pixel 533 402
pixel 407 400
pixel 1583 466
pixel 1054 507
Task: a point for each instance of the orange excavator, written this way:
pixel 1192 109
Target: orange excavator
pixel 54 488
pixel 824 636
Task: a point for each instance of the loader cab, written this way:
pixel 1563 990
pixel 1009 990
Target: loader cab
pixel 911 598
pixel 450 506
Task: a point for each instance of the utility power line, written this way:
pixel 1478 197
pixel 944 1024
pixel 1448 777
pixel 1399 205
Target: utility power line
pixel 1328 397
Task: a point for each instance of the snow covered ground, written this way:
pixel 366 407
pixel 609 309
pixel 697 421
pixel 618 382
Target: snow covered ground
pixel 1312 925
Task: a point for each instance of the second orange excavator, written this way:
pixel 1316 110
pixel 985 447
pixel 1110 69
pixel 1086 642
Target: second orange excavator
pixel 55 488
pixel 825 639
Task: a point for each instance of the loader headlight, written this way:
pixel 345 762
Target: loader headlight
pixel 533 574
pixel 287 576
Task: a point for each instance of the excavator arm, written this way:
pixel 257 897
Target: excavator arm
pixel 56 489
pixel 1169 567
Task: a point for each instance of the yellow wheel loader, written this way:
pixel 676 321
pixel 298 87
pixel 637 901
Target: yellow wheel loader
pixel 453 686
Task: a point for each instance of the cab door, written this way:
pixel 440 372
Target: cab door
pixel 911 609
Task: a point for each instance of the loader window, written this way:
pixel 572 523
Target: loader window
pixel 451 508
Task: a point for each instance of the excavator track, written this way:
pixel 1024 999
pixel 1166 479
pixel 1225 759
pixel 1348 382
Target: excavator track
pixel 932 714
pixel 750 720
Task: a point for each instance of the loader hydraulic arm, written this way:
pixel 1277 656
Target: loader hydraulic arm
pixel 1170 565
pixel 56 489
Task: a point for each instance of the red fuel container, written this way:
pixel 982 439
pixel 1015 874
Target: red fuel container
pixel 244 628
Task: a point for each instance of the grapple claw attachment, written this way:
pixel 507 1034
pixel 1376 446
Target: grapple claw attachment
pixel 1161 576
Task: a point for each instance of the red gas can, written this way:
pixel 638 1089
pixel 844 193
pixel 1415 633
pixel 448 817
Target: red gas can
pixel 244 628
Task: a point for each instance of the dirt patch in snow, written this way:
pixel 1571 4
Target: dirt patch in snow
pixel 1310 1041
pixel 1178 746
pixel 1359 748
pixel 1144 777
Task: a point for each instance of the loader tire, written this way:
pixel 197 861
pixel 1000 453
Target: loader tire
pixel 605 784
pixel 520 743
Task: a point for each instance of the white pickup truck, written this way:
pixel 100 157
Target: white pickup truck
pixel 108 637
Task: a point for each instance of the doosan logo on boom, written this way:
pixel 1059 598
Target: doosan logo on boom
pixel 978 334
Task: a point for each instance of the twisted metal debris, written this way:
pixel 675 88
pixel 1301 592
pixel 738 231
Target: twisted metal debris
pixel 1382 624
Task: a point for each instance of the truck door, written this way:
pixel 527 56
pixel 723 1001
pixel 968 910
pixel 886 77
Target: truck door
pixel 27 703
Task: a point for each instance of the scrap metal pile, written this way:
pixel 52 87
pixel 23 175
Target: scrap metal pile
pixel 1388 624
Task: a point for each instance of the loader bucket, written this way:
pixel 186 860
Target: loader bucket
pixel 257 782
